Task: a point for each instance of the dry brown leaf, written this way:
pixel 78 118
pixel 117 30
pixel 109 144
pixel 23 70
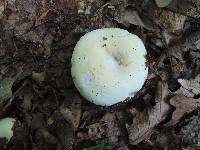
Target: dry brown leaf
pixel 39 77
pixel 107 128
pixel 185 92
pixel 171 21
pixel 143 122
pixel 1 8
pixel 112 131
pixel 96 131
pixel 130 17
pixel 192 85
pixel 183 105
pixel 72 114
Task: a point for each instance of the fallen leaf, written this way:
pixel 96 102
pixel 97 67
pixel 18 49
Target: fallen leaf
pixel 62 130
pixel 183 105
pixel 186 52
pixel 113 130
pixel 106 128
pixel 24 96
pixel 189 128
pixel 39 77
pixel 190 8
pixel 96 131
pixel 130 17
pixel 170 21
pixel 144 122
pixel 185 92
pixel 72 114
pixel 192 85
pixel 1 8
pixel 44 139
pixel 5 89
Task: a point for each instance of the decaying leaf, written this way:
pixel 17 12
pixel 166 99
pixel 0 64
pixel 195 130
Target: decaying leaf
pixel 188 7
pixel 185 56
pixel 130 17
pixel 143 122
pixel 43 138
pixel 189 128
pixel 1 8
pixel 183 105
pixel 39 36
pixel 185 92
pixel 107 127
pixel 170 21
pixel 5 89
pixel 96 131
pixel 72 114
pixel 192 85
pixel 63 130
pixel 39 77
pixel 163 3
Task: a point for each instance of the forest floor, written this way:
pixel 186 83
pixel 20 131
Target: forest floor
pixel 37 38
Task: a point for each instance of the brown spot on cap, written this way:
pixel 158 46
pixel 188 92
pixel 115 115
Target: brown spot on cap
pixel 120 58
pixel 104 38
pixel 104 45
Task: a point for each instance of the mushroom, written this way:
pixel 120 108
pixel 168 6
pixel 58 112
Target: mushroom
pixel 109 65
pixel 6 126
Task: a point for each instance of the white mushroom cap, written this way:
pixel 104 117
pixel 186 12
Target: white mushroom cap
pixel 108 65
pixel 6 126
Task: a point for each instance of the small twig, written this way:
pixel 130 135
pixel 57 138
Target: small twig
pixel 56 98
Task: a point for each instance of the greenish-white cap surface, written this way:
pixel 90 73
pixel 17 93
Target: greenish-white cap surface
pixel 109 65
pixel 6 126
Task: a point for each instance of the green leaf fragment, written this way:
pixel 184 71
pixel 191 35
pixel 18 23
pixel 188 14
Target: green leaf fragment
pixel 163 3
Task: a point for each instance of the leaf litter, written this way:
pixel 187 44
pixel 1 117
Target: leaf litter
pixel 36 41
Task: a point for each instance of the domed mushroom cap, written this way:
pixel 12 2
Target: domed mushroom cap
pixel 108 65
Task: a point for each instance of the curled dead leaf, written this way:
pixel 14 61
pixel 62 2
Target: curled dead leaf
pixel 106 130
pixel 143 122
pixel 185 92
pixel 72 114
pixel 192 85
pixel 183 105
